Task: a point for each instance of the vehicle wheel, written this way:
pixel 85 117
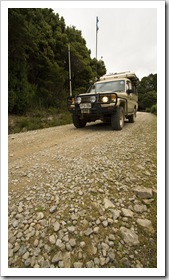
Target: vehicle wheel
pixel 132 117
pixel 117 119
pixel 78 123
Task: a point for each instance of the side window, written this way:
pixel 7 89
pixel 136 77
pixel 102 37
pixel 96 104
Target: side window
pixel 128 85
pixel 134 89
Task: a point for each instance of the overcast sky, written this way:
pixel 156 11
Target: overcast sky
pixel 127 37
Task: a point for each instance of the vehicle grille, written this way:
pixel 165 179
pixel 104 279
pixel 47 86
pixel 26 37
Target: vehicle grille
pixel 86 99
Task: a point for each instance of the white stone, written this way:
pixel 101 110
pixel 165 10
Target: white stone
pixel 25 256
pixel 88 231
pixel 140 208
pixel 71 229
pixel 78 265
pixel 72 242
pixel 52 239
pixel 115 214
pixel 129 236
pixel 108 203
pixel 53 209
pixel 67 260
pixel 20 209
pixel 82 244
pixel 127 212
pixel 36 242
pixel 58 257
pixel 39 216
pixel 56 226
pixel 145 223
pixel 96 230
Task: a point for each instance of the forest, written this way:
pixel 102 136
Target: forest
pixel 38 60
pixel 38 66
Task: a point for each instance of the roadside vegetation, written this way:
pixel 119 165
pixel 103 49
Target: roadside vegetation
pixel 37 120
pixel 147 94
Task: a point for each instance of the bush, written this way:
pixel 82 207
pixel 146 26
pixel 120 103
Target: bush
pixel 147 110
pixel 154 109
pixel 38 119
pixel 147 100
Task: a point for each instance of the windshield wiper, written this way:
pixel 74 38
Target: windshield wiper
pixel 106 91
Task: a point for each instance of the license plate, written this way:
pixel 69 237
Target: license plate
pixel 85 111
pixel 85 106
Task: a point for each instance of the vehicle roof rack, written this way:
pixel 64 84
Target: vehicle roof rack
pixel 130 75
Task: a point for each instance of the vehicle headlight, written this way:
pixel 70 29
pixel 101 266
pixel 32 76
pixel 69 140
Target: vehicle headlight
pixel 78 100
pixel 92 99
pixel 105 99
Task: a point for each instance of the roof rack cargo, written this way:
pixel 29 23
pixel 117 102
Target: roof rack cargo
pixel 130 75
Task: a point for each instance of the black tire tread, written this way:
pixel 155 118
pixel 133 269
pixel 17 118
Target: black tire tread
pixel 78 123
pixel 115 119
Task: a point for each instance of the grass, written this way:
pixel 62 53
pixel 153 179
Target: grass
pixel 38 119
pixel 39 209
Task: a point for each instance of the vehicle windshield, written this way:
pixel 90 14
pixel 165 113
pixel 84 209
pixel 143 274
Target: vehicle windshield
pixel 113 86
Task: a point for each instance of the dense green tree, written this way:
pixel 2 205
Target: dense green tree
pixel 148 83
pixel 98 68
pixel 148 100
pixel 20 91
pixel 147 92
pixel 38 60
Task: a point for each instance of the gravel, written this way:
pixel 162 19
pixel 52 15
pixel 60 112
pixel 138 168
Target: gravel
pixel 83 197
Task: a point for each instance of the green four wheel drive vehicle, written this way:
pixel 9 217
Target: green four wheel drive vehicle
pixel 112 99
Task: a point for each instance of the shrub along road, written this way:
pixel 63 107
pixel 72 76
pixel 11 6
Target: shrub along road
pixel 83 197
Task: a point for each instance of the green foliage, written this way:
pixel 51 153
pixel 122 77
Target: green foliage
pixel 98 68
pixel 147 110
pixel 148 100
pixel 154 109
pixel 38 119
pixel 148 83
pixel 20 90
pixel 147 92
pixel 38 60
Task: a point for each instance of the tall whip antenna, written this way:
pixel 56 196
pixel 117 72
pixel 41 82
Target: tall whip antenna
pixel 97 28
pixel 70 81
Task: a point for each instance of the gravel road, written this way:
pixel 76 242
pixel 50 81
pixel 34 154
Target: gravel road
pixel 83 197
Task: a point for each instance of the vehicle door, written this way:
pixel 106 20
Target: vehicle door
pixel 132 97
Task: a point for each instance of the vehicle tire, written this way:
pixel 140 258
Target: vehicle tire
pixel 117 119
pixel 78 123
pixel 132 117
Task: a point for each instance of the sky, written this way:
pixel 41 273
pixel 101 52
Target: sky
pixel 126 38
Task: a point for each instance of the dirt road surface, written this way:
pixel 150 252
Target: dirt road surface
pixel 76 195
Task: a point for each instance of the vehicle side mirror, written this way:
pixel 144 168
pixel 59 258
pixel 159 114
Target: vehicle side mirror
pixel 129 91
